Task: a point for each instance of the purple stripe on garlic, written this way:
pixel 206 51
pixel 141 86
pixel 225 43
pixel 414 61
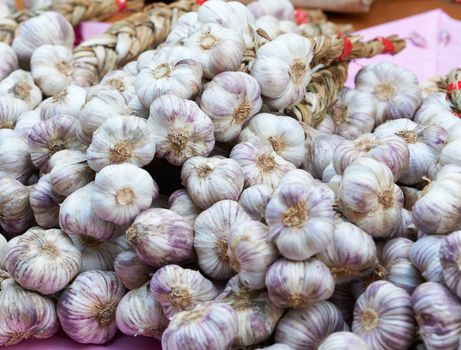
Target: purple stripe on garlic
pixel 45 203
pixel 343 341
pixel 132 270
pixel 15 159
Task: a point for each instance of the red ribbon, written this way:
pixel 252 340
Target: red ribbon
pixel 122 4
pixel 347 49
pixel 301 16
pixel 457 114
pixel 388 45
pixel 200 2
pixel 453 86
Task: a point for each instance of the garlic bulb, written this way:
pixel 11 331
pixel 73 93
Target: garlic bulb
pixel 132 68
pixel 438 313
pixel 254 200
pixel 305 329
pixel 178 289
pixel 76 217
pixel 137 109
pixel 20 84
pixel 51 136
pixel 396 249
pixel 285 135
pixel 436 109
pixel 132 271
pixel 230 100
pixel 274 28
pixel 180 30
pixel 407 228
pixel 450 154
pixel 180 129
pixel 122 82
pixel 9 60
pixel 3 251
pixel 383 317
pixel 26 122
pixel 257 315
pixel 87 308
pixel 449 253
pixel 170 70
pixel 46 28
pixel 391 151
pixel 209 180
pixel 370 198
pixel 282 9
pixel 44 261
pixel 352 115
pixel 301 219
pixel 343 341
pixel 437 211
pixel 45 203
pixel 11 108
pixel 395 89
pixel 297 284
pixel 351 253
pixel 122 191
pixel 181 203
pixel 212 228
pixel 250 253
pixel 208 326
pixel 260 163
pixel 282 69
pixel 138 313
pixel 121 140
pixel 424 255
pixel 69 101
pixel 25 315
pixel 15 156
pixel 219 49
pixel 160 237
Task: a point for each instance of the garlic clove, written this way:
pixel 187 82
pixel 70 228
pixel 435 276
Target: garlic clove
pixel 181 203
pixel 343 341
pixel 45 203
pixel 254 200
pixel 15 156
pixel 132 271
pixel 11 109
pixel 68 100
pixel 122 82
pixel 449 253
pixel 9 60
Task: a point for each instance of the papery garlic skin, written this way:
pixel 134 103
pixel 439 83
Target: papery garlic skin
pixel 285 60
pixel 285 135
pixel 26 122
pixel 212 228
pixel 39 322
pixel 370 198
pixel 11 109
pixel 297 284
pixel 121 140
pixel 395 89
pixel 9 60
pixel 383 317
pixel 44 261
pixel 69 101
pixel 122 82
pixel 438 313
pixel 45 203
pixel 255 199
pixel 208 326
pixel 121 192
pixel 160 237
pixel 181 203
pixel 87 308
pixel 132 271
pixel 178 289
pixel 131 68
pixel 180 129
pixel 20 84
pixel 282 9
pixel 230 100
pixel 15 156
pixel 138 313
pixel 304 329
pixel 181 29
pixel 343 341
pixel 170 70
pixel 450 253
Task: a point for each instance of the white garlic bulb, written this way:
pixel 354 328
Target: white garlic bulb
pixel 160 237
pixel 15 156
pixel 9 60
pixel 437 110
pixel 209 180
pixel 131 68
pixel 212 228
pixel 180 129
pixel 254 200
pixel 44 261
pixel 370 198
pixel 138 313
pixel 425 256
pixel 121 140
pixel 132 271
pixel 282 9
pixel 11 109
pixel 343 341
pixel 282 69
pixel 395 89
pixel 26 122
pixel 178 289
pixel 170 70
pixel 273 28
pixel 38 322
pixel 87 308
pixel 69 101
pixel 230 100
pixel 285 135
pixel 181 203
pixel 181 29
pixel 450 153
pixel 122 82
pixel 20 84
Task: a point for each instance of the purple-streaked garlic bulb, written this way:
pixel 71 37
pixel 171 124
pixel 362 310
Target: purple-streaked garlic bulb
pixel 180 129
pixel 210 180
pixel 351 116
pixel 87 307
pixel 343 341
pixel 180 30
pixel 395 249
pixel 11 109
pixel 383 317
pixel 437 110
pixel 257 315
pixel 138 313
pixel 68 101
pixel 230 100
pixel 395 89
pixel 208 326
pixel 299 177
pixel 351 253
pixel 15 156
pixel 438 313
pixel 254 200
pixel 181 203
pixel 45 203
pixel 391 151
pixel 25 315
pixel 160 237
pixel 132 270
pixel 44 261
pixel 9 60
pixel 283 9
pixel 424 254
pixel 122 82
pixel 305 329
pixel 343 298
pixel 212 228
pixel 370 198
pixel 20 84
pixel 250 252
pixel 297 284
pixel 450 257
pixel 26 122
pixel 178 289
